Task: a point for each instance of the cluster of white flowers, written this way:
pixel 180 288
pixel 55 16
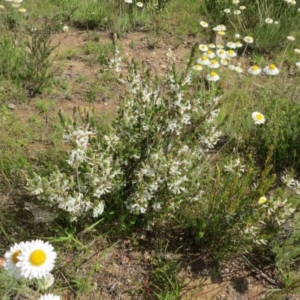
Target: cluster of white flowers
pixel 32 260
pixel 235 166
pixel 93 176
pixel 115 63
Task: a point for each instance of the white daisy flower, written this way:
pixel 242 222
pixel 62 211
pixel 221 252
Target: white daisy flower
pixel 235 1
pixel 128 1
pixel 210 54
pixel 298 64
pixel 237 36
pixel 212 76
pixel 238 69
pixel 203 47
pixel 214 64
pixel 231 54
pixel 36 259
pixel 258 118
pixel 242 7
pixel 204 24
pixel 221 53
pixel 197 67
pixel 47 281
pixel 224 62
pixel 220 46
pixel 220 28
pixel 227 11
pixel 139 4
pixel 66 28
pixel 248 39
pixel 296 50
pixel 211 46
pixel 49 297
pixel 237 12
pixel 231 45
pixel 238 44
pixel 269 21
pixel 271 70
pixel 276 22
pixel 12 258
pixel 290 38
pixel 203 60
pixel 254 70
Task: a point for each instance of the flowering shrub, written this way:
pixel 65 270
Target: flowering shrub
pixel 150 160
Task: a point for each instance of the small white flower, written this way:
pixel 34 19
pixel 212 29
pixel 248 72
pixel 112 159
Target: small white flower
pixel 139 4
pixel 258 118
pixel 290 38
pixel 269 21
pixel 65 29
pixel 12 258
pixel 128 1
pixel 197 67
pixel 254 70
pixel 298 64
pixel 235 1
pixel 231 54
pixel 203 47
pixel 221 53
pixel 210 54
pixel 220 28
pixel 49 297
pixel 238 69
pixel 296 50
pixel 271 70
pixel 214 64
pixel 248 39
pixel 238 44
pixel 47 281
pixel 231 45
pixel 227 10
pixel 204 24
pixel 203 60
pixel 224 62
pixel 237 36
pixel 237 12
pixel 242 7
pixel 213 76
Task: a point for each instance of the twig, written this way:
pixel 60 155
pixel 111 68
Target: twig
pixel 272 281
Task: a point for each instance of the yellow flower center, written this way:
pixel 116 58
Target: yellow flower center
pixel 204 57
pixel 214 62
pixel 198 67
pixel 230 51
pixel 259 117
pixel 262 200
pixel 37 257
pixel 15 255
pixel 209 52
pixel 255 68
pixel 272 67
pixel 213 74
pixel 221 32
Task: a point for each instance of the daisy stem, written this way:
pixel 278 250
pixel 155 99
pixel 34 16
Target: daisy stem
pixel 244 50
